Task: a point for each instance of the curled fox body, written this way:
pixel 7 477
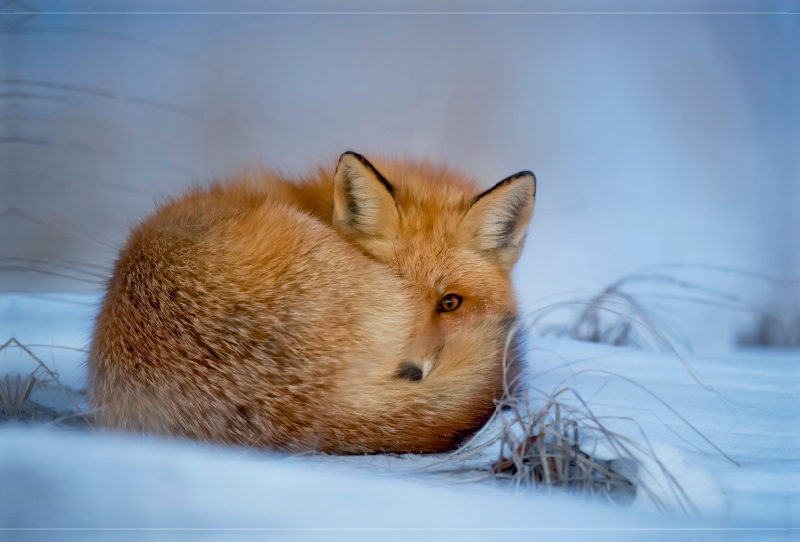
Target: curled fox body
pixel 364 309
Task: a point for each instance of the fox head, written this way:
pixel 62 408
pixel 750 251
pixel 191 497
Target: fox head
pixel 454 246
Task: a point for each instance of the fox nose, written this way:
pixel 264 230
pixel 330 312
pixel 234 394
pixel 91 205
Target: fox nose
pixel 408 370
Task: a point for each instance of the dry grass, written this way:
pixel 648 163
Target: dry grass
pixel 770 331
pixel 544 445
pixel 552 443
pixel 621 314
pixel 18 397
pixel 540 447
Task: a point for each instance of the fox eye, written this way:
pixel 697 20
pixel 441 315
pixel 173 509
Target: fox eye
pixel 450 302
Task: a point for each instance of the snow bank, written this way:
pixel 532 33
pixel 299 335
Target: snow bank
pixel 71 479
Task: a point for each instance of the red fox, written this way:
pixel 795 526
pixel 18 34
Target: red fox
pixel 361 312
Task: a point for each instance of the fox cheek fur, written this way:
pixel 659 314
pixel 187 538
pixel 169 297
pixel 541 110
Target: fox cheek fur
pixel 361 312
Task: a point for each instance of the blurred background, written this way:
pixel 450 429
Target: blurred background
pixel 661 133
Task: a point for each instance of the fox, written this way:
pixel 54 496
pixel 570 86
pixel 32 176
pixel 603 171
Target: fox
pixel 359 309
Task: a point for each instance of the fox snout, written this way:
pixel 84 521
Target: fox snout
pixel 409 370
pixel 483 341
pixel 414 370
pixel 422 354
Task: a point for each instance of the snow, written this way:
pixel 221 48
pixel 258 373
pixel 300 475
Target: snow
pixel 70 480
pixel 91 479
pixel 747 413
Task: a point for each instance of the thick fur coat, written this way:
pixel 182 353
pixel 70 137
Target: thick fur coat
pixel 364 308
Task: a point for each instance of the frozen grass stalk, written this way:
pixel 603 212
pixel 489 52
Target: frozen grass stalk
pixel 552 444
pixel 17 402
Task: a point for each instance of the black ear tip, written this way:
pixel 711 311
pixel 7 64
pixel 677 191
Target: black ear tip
pixel 522 174
pixel 532 176
pixel 525 173
pixel 353 154
pixel 364 162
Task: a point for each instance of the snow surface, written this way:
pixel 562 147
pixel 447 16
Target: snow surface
pixel 85 479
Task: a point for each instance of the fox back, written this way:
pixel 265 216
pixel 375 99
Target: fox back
pixel 361 310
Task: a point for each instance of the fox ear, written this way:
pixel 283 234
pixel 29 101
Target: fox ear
pixel 363 201
pixel 495 224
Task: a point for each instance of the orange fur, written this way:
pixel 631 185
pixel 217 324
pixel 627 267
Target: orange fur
pixel 275 312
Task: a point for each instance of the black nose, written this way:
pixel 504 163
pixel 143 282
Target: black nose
pixel 408 371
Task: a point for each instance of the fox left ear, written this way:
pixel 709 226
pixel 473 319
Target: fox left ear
pixel 363 201
pixel 496 222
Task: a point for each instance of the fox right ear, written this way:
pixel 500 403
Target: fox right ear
pixel 496 222
pixel 363 201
